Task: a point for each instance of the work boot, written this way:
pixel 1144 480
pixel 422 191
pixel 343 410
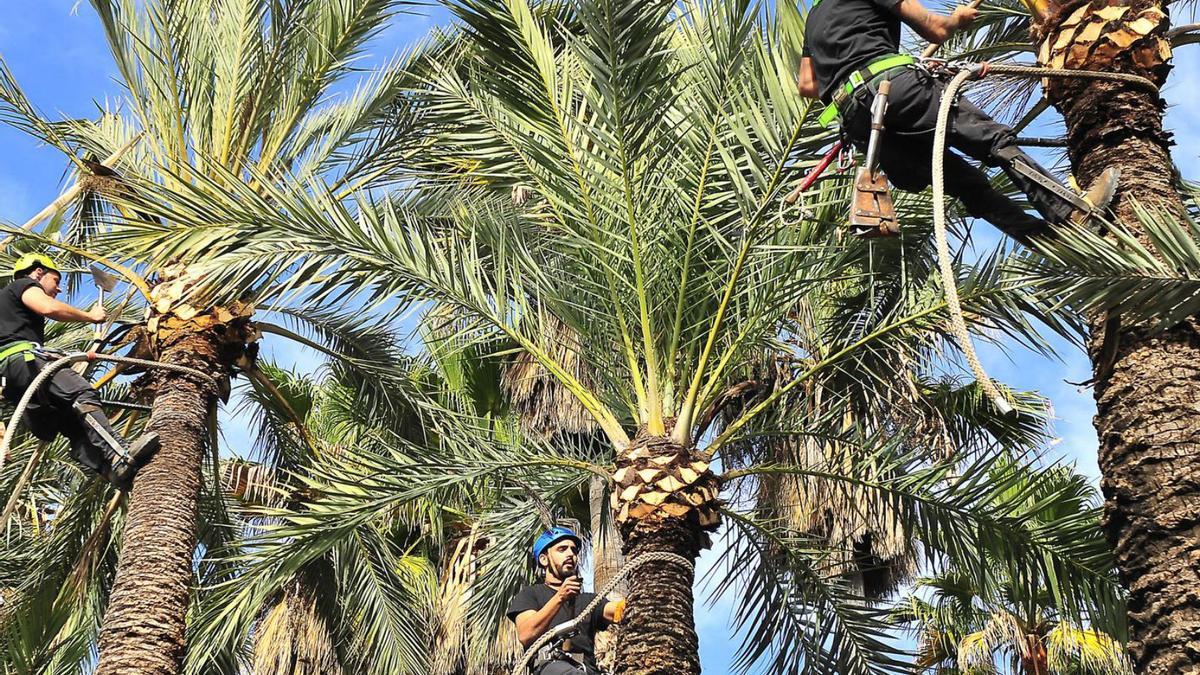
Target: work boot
pixel 1099 196
pixel 124 468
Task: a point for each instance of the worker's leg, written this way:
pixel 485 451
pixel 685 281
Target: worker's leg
pixel 977 134
pixel 561 668
pixel 906 161
pixel 41 418
pixel 94 440
pixel 912 114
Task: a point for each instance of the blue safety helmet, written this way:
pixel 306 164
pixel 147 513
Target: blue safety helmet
pixel 552 537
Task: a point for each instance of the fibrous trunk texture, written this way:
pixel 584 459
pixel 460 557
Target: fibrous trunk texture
pixel 1147 386
pixel 143 629
pixel 606 562
pixel 665 500
pixel 144 625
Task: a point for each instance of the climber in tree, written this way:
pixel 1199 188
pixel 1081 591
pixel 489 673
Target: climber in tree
pixel 851 46
pixel 67 403
pixel 557 600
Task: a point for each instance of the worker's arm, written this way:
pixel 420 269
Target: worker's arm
pixel 808 79
pixel 531 624
pixel 932 26
pixel 36 299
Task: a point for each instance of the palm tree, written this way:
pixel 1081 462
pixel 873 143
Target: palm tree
pixel 214 95
pixel 1135 291
pixel 964 626
pixel 654 142
pixel 1145 379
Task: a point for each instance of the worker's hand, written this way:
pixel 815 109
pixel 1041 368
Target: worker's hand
pixel 963 16
pixel 569 588
pixel 97 314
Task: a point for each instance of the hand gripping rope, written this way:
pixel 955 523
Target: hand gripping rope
pixel 660 556
pixel 45 375
pixel 958 324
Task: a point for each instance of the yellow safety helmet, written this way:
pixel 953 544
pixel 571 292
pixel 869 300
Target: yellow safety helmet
pixel 31 260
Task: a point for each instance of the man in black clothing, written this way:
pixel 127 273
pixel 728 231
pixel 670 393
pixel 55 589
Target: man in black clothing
pixel 559 599
pixel 851 46
pixel 66 403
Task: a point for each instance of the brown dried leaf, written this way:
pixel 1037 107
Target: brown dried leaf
pixel 708 517
pixel 1090 33
pixel 1112 13
pixel 1064 39
pixel 1142 25
pixel 1078 55
pixel 649 475
pixel 675 510
pixel 1147 57
pixel 624 514
pixel 1104 54
pixel 1075 17
pixel 641 510
pixel 654 498
pixel 623 476
pixel 671 484
pixel 695 498
pixel 1123 38
pixel 1164 50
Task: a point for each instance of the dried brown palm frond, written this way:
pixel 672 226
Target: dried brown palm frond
pixel 453 652
pixel 865 538
pixel 545 407
pixel 292 638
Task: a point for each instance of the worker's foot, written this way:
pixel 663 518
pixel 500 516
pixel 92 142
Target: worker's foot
pixel 125 468
pixel 1099 196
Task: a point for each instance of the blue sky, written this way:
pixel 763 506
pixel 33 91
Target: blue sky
pixel 61 59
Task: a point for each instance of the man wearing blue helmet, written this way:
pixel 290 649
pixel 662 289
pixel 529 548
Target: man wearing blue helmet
pixel 557 600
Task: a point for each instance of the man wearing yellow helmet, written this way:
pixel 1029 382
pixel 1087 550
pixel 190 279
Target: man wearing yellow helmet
pixel 67 403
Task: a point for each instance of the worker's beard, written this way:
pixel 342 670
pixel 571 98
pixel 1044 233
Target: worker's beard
pixel 566 570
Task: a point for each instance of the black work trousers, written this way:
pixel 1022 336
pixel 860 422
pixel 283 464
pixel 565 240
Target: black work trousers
pixel 56 408
pixel 563 667
pixel 906 153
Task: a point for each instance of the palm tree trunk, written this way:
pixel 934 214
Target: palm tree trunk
pixel 143 630
pixel 1145 384
pixel 658 633
pixel 665 500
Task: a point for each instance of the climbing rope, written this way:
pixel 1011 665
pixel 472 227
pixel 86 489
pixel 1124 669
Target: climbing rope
pixel 45 375
pixel 958 325
pixel 522 666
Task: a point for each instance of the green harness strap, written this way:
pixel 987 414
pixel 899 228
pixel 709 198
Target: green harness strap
pixel 859 78
pixel 14 348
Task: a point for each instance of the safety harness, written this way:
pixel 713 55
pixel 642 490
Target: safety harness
pixel 872 73
pixel 14 348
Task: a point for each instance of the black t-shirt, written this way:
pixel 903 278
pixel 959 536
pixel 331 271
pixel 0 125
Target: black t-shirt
pixel 18 322
pixel 842 36
pixel 535 597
